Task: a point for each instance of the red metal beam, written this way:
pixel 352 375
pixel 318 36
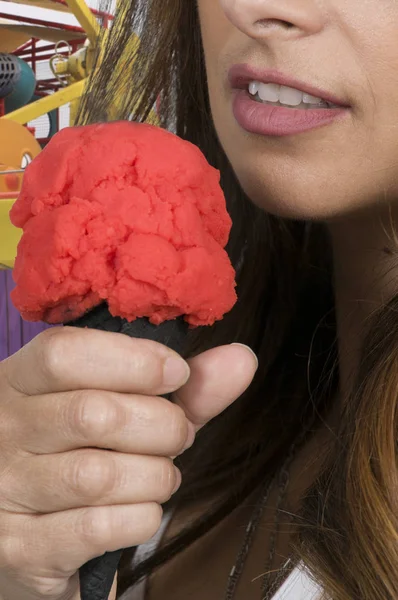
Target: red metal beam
pixel 21 51
pixel 32 21
pixel 23 48
pixel 50 80
pixel 44 57
pixel 43 89
pixel 44 86
pixel 93 10
pixel 41 58
pixel 40 51
pixel 34 55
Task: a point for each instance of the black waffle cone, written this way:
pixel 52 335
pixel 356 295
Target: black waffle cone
pixel 97 575
pixel 170 333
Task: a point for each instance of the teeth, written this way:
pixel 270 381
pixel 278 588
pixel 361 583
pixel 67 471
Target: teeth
pixel 308 99
pixel 271 92
pixel 290 96
pixel 253 88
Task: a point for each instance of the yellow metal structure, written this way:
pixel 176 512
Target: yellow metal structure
pixel 9 236
pixel 86 19
pixel 70 93
pixel 47 4
pixel 46 104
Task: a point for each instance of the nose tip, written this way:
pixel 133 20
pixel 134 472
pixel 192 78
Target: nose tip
pixel 274 18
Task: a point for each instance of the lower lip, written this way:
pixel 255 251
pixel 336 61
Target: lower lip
pixel 265 119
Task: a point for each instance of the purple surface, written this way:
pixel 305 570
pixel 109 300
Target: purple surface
pixel 14 331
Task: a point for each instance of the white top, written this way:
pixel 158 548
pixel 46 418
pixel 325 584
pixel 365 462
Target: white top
pixel 298 586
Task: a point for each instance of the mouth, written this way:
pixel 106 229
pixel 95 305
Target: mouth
pixel 276 89
pixel 269 103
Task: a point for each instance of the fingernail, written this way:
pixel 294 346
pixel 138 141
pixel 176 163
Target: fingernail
pixel 175 372
pixel 178 480
pixel 249 349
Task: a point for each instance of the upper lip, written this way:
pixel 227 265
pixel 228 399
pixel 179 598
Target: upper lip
pixel 241 75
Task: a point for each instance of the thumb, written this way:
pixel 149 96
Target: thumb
pixel 218 377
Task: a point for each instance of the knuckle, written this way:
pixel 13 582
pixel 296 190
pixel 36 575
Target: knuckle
pixel 95 530
pixel 48 587
pixel 91 474
pixel 93 415
pixel 54 347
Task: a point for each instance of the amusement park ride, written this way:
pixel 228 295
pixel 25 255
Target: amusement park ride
pixel 24 44
pixel 26 97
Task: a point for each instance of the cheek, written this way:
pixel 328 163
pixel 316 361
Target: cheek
pixel 230 10
pixel 216 32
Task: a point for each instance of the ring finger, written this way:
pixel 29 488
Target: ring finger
pixel 94 418
pixel 87 477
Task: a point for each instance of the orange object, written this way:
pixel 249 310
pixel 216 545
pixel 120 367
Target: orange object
pixel 18 147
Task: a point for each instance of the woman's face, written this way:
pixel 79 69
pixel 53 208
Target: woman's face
pixel 346 49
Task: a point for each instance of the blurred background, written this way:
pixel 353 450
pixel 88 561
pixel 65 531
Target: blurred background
pixel 46 54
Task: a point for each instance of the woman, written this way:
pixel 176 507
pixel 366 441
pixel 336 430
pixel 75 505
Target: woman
pixel 299 475
pixel 332 193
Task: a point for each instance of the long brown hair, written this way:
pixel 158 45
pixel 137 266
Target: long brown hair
pixel 348 524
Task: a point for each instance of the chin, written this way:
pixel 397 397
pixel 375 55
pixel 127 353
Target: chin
pixel 287 202
pixel 310 199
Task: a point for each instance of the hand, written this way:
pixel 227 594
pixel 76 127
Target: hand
pixel 85 447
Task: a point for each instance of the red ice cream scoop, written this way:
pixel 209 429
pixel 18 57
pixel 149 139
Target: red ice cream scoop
pixel 123 213
pixel 122 221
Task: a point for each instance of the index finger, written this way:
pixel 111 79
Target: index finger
pixel 66 359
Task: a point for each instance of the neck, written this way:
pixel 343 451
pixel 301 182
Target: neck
pixel 365 248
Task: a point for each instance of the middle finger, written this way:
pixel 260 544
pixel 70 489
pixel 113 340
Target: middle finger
pixel 95 418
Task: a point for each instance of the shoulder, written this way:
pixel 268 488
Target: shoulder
pixel 299 585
